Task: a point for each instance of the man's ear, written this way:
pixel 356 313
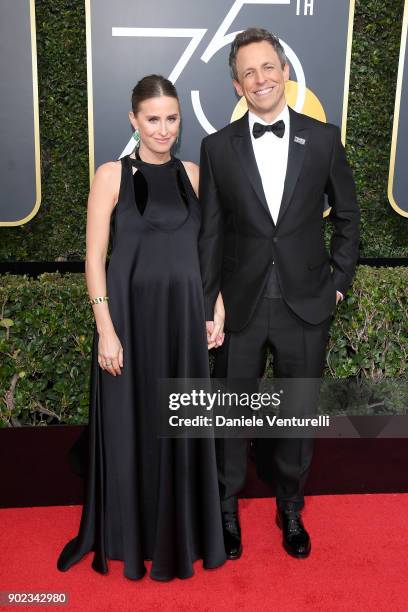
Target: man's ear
pixel 237 87
pixel 286 72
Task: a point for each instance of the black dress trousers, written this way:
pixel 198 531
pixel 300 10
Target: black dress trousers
pixel 298 350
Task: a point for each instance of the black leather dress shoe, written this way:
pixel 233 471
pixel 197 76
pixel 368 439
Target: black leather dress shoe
pixel 296 540
pixel 232 535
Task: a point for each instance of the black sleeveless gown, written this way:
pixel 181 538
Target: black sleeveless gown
pixel 149 497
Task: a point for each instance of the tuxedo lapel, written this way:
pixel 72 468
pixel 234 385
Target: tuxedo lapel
pixel 242 144
pixel 298 142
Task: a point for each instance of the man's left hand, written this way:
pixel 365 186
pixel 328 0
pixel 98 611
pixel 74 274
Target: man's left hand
pixel 339 297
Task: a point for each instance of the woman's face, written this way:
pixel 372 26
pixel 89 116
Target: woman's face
pixel 158 122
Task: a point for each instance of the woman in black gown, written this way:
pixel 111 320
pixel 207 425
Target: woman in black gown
pixel 147 497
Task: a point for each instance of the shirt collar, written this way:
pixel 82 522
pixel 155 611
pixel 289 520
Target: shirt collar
pixel 284 115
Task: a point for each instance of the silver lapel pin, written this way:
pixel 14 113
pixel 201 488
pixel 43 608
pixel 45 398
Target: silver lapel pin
pixel 299 140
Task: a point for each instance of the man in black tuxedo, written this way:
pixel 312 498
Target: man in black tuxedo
pixel 262 189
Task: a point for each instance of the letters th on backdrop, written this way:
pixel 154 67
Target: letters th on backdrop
pixel 189 43
pixel 398 176
pixel 19 132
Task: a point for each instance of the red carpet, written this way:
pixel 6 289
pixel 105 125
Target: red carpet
pixel 358 562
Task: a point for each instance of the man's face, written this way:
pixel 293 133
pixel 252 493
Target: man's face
pixel 261 79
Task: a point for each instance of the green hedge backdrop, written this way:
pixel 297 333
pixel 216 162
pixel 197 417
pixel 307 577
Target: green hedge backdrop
pixel 57 233
pixel 46 337
pixel 46 324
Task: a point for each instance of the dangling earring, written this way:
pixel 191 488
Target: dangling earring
pixel 136 136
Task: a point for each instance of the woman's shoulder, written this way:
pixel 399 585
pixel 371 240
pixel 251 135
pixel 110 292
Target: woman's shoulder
pixel 109 169
pixel 107 178
pixel 193 173
pixel 191 168
pixel 108 173
pixel 189 165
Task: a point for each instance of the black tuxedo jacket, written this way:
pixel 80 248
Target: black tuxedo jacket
pixel 239 240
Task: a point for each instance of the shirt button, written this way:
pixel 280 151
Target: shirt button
pixel 275 239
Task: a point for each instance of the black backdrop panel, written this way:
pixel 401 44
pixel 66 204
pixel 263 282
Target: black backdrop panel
pixel 19 138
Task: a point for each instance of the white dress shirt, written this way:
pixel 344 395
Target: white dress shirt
pixel 271 154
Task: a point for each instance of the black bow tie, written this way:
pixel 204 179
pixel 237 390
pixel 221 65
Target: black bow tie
pixel 277 128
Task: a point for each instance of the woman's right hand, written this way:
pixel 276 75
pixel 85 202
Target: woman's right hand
pixel 110 353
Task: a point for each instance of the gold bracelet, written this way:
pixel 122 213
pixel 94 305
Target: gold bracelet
pixel 99 300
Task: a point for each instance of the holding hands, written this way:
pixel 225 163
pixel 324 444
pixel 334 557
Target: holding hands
pixel 215 328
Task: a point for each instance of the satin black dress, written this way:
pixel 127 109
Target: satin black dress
pixel 149 497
